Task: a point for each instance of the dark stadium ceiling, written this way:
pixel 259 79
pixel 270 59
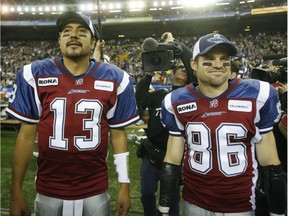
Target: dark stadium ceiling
pixel 37 26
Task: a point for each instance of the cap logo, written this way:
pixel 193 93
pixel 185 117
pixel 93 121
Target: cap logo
pixel 217 39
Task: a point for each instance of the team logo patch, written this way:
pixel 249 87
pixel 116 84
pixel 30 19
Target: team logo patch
pixel 49 81
pixel 213 103
pixel 187 107
pixel 79 81
pixel 240 106
pixel 217 39
pixel 104 85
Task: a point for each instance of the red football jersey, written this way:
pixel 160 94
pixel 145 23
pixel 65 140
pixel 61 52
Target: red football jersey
pixel 219 165
pixel 73 115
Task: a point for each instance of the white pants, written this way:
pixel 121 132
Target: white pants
pixel 190 209
pixel 96 205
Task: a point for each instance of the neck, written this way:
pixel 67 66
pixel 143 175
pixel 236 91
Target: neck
pixel 76 66
pixel 212 91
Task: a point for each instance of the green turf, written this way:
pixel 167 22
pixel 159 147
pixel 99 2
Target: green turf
pixel 7 144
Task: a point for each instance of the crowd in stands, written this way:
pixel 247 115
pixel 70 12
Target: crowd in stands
pixel 126 53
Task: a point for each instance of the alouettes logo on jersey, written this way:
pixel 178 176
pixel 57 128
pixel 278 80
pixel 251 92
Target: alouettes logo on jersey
pixel 79 81
pixel 213 103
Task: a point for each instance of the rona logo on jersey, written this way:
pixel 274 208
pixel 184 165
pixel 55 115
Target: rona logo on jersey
pixel 187 107
pixel 50 81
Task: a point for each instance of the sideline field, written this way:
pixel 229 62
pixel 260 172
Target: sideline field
pixel 8 137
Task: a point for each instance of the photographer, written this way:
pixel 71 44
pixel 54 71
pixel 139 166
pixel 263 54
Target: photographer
pixel 161 56
pixel 276 75
pixel 152 149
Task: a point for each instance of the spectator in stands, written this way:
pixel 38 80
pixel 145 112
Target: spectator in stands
pixel 72 104
pixel 252 46
pixel 234 69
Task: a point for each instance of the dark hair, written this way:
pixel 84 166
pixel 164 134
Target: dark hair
pixel 177 67
pixel 234 67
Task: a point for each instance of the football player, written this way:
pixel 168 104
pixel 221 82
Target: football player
pixel 227 125
pixel 72 103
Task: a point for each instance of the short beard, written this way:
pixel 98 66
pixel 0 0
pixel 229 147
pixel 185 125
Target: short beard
pixel 74 55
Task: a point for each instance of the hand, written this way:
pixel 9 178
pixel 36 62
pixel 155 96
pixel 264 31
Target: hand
pixel 97 51
pixel 100 45
pixel 18 205
pixel 152 73
pixel 282 87
pixel 167 37
pixel 124 201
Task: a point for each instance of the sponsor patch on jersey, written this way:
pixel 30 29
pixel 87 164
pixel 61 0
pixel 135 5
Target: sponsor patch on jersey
pixel 78 91
pixel 189 107
pixel 104 85
pixel 49 81
pixel 240 106
pixel 208 114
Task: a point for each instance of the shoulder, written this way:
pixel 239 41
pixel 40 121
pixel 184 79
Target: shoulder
pixel 183 92
pixel 42 63
pixel 254 84
pixel 111 72
pixel 35 68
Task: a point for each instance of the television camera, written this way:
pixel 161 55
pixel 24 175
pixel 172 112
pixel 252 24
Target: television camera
pixel 279 60
pixel 158 56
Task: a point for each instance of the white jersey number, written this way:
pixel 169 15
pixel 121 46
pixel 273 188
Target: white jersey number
pixel 231 155
pixel 58 140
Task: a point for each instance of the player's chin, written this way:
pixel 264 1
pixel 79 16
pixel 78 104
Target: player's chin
pixel 74 54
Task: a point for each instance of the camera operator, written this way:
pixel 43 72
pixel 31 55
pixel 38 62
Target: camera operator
pixel 278 78
pixel 152 150
pixel 276 75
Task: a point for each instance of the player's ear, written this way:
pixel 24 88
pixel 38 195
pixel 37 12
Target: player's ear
pixel 193 64
pixel 59 35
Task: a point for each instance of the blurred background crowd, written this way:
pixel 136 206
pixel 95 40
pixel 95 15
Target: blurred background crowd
pixel 126 54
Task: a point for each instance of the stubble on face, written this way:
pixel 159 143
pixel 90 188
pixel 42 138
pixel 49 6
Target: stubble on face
pixel 77 45
pixel 210 75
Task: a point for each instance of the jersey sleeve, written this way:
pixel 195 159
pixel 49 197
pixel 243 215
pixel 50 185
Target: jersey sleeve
pixel 125 111
pixel 168 116
pixel 22 102
pixel 268 106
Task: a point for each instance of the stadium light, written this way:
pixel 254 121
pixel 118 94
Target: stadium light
pixel 61 8
pixel 136 5
pixel 155 4
pixel 196 3
pixel 113 6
